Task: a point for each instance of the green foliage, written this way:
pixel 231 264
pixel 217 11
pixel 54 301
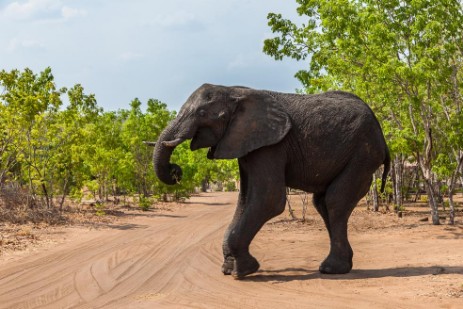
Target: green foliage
pixel 144 203
pixel 230 186
pixel 52 151
pixel 99 209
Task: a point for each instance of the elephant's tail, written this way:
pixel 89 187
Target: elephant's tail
pixel 387 166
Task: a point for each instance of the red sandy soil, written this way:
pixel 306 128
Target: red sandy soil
pixel 171 258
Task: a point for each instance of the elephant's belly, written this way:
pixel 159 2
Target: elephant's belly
pixel 309 188
pixel 309 177
pixel 305 183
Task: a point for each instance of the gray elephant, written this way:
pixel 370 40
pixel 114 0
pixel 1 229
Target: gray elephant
pixel 328 144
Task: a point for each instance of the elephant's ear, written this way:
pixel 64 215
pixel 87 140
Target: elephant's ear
pixel 259 120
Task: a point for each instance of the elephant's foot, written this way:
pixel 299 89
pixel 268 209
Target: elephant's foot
pixel 228 265
pixel 244 266
pixel 334 265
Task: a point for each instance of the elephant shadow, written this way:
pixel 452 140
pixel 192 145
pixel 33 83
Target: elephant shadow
pixel 300 274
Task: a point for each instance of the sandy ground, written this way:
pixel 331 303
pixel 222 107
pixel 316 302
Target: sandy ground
pixel 172 259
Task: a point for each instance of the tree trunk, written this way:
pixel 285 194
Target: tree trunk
pixel 288 201
pixel 204 185
pixel 452 209
pixel 304 200
pixel 45 193
pixel 425 166
pixel 414 183
pixel 65 188
pixel 398 181
pixel 432 202
pixel 374 194
pixel 451 188
pixel 429 187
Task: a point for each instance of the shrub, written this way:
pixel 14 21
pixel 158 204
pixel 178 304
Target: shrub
pixel 144 203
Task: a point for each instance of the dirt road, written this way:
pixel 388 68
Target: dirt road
pixel 173 259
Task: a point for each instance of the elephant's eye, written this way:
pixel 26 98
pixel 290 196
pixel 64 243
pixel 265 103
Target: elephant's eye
pixel 202 113
pixel 208 97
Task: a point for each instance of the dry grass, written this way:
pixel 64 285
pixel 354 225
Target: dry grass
pixel 22 226
pixel 363 219
pixel 16 237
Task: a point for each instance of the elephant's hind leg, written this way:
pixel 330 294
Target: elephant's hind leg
pixel 341 197
pixel 318 201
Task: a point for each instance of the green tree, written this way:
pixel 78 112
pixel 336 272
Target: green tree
pixel 29 113
pixel 53 151
pixel 8 147
pixel 70 170
pixel 104 154
pixel 403 57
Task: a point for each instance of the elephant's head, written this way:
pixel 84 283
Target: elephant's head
pixel 230 121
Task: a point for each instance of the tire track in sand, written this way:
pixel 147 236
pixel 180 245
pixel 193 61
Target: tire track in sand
pixel 174 262
pixel 115 265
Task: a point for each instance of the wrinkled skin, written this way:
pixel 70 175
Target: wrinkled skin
pixel 328 144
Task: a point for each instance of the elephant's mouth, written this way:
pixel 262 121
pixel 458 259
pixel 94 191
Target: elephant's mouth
pixel 211 152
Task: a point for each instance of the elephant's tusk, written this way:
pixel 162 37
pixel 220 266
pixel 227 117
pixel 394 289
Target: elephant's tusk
pixel 173 143
pixel 149 143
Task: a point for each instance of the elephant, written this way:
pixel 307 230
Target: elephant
pixel 327 144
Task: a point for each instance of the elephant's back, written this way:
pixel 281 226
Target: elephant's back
pixel 338 104
pixel 336 112
pixel 329 129
pixel 332 120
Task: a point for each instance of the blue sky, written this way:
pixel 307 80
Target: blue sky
pixel 162 49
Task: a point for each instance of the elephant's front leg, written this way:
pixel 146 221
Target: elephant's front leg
pixel 228 258
pixel 262 197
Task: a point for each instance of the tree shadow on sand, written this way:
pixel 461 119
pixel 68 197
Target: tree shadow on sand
pixel 207 203
pixel 299 274
pixel 154 215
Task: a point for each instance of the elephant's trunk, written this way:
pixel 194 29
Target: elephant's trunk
pixel 167 172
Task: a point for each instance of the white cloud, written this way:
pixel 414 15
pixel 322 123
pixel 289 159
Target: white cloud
pixel 16 44
pixel 40 10
pixel 129 55
pixel 68 12
pixel 30 8
pixel 178 20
